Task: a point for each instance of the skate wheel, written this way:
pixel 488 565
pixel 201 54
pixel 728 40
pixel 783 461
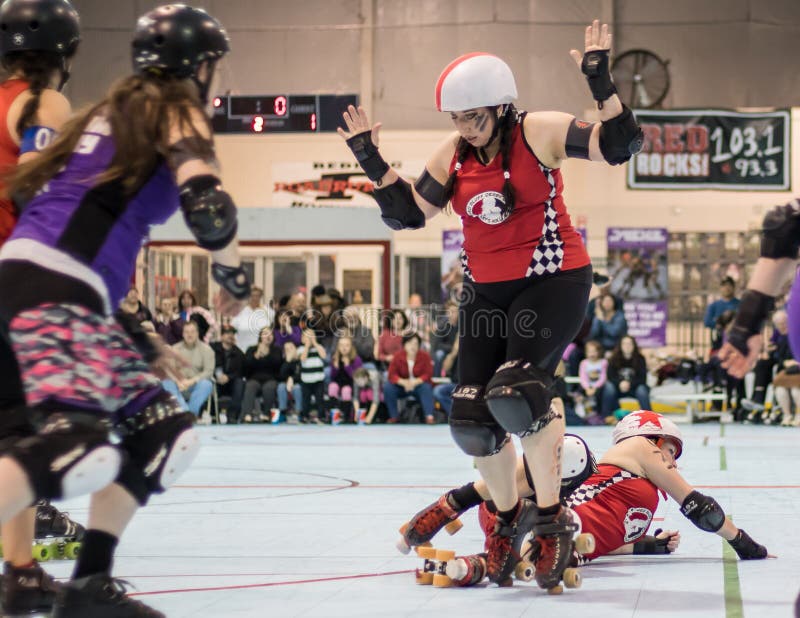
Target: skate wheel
pixel 555 590
pixel 402 546
pixel 424 579
pixel 441 581
pixel 572 578
pixel 41 553
pixel 524 571
pixel 426 552
pixel 585 544
pixel 425 544
pixel 454 526
pixel 443 555
pixel 72 551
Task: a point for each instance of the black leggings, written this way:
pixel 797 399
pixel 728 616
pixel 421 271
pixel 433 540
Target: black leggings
pixel 534 319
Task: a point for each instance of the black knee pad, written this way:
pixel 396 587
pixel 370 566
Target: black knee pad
pixel 519 396
pixel 67 458
pixel 471 424
pixel 161 443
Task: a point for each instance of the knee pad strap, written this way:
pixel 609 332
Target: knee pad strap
pixel 519 396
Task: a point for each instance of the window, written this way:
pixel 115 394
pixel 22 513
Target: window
pixel 424 278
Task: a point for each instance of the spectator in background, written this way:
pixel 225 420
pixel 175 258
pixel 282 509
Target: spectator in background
pixel 165 320
pixel 443 393
pixel 608 324
pixel 444 335
pixel 320 319
pixel 285 331
pixel 775 352
pixel 351 326
pixel 344 363
pixel 390 341
pixel 290 382
pixel 418 319
pixel 262 368
pixel 229 371
pixel 312 376
pixel 593 374
pixel 132 305
pixel 364 394
pixel 188 309
pixel 196 385
pixel 410 374
pixel 626 377
pixel 727 302
pixel 297 305
pixel 252 320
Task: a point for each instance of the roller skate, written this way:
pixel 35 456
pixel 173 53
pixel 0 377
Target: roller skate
pixel 56 534
pixel 443 568
pixel 559 538
pixel 99 596
pixel 504 544
pixel 425 524
pixel 26 591
pixel 524 571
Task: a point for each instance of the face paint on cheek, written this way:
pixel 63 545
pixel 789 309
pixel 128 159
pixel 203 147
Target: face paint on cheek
pixel 481 121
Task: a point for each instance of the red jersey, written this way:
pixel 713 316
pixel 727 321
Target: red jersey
pixel 616 506
pixel 536 239
pixel 9 153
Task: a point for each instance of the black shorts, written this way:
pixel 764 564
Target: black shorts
pixel 533 319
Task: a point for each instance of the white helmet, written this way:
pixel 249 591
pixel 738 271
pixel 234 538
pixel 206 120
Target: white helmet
pixel 475 80
pixel 647 423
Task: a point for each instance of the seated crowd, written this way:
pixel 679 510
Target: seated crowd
pixel 308 364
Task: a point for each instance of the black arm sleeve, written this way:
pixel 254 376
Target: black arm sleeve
pixel 430 189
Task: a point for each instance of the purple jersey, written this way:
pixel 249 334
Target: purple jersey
pixel 88 230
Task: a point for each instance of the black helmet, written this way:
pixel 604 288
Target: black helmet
pixel 175 39
pixel 39 25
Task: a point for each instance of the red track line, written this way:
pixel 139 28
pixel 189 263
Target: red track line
pixel 362 486
pixel 268 585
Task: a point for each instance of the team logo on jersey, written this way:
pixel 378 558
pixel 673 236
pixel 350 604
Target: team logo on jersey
pixel 488 207
pixel 637 520
pixel 18 39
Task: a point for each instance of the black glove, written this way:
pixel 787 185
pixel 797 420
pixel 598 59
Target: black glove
pixel 652 545
pixel 367 155
pixel 746 548
pixel 595 68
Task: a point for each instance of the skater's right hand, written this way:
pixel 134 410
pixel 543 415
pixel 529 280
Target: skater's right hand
pixel 168 364
pixel 357 122
pixel 747 549
pixel 672 538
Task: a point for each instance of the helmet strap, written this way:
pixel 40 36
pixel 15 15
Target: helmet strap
pixel 484 156
pixel 203 87
pixel 64 70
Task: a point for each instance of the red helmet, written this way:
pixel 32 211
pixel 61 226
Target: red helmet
pixel 475 80
pixel 648 424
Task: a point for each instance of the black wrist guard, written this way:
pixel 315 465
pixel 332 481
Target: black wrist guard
pixel 780 231
pixel 140 337
pixel 595 68
pixel 233 279
pixel 746 548
pixel 651 545
pixel 398 209
pixel 368 156
pixel 750 317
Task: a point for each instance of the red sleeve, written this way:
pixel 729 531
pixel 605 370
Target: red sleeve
pixel 423 367
pixel 394 367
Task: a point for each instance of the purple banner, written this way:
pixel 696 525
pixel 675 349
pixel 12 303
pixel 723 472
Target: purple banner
pixel 637 265
pixel 452 274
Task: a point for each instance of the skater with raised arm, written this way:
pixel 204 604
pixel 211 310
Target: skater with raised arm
pixel 525 269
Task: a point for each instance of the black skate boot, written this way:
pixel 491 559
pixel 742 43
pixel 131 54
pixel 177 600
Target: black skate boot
pixel 427 523
pixel 99 596
pixel 504 544
pixel 556 535
pixel 57 530
pixel 26 591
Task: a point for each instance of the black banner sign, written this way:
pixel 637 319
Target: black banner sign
pixel 712 149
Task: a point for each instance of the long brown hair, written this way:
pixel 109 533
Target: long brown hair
pixel 140 110
pixel 506 123
pixel 36 68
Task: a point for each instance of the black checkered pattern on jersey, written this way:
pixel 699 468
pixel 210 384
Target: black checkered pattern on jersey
pixel 548 257
pixel 586 492
pixel 465 266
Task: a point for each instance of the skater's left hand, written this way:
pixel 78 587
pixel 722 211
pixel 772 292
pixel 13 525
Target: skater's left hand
pixel 595 37
pixel 226 304
pixel 736 363
pixel 672 537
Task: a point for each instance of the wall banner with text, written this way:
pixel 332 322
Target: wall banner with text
pixel 712 149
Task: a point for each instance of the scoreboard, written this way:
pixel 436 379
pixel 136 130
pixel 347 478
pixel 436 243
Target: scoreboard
pixel 281 113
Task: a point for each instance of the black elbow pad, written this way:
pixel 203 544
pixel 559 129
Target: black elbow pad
pixel 703 512
pixel 398 209
pixel 620 137
pixel 780 233
pixel 209 212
